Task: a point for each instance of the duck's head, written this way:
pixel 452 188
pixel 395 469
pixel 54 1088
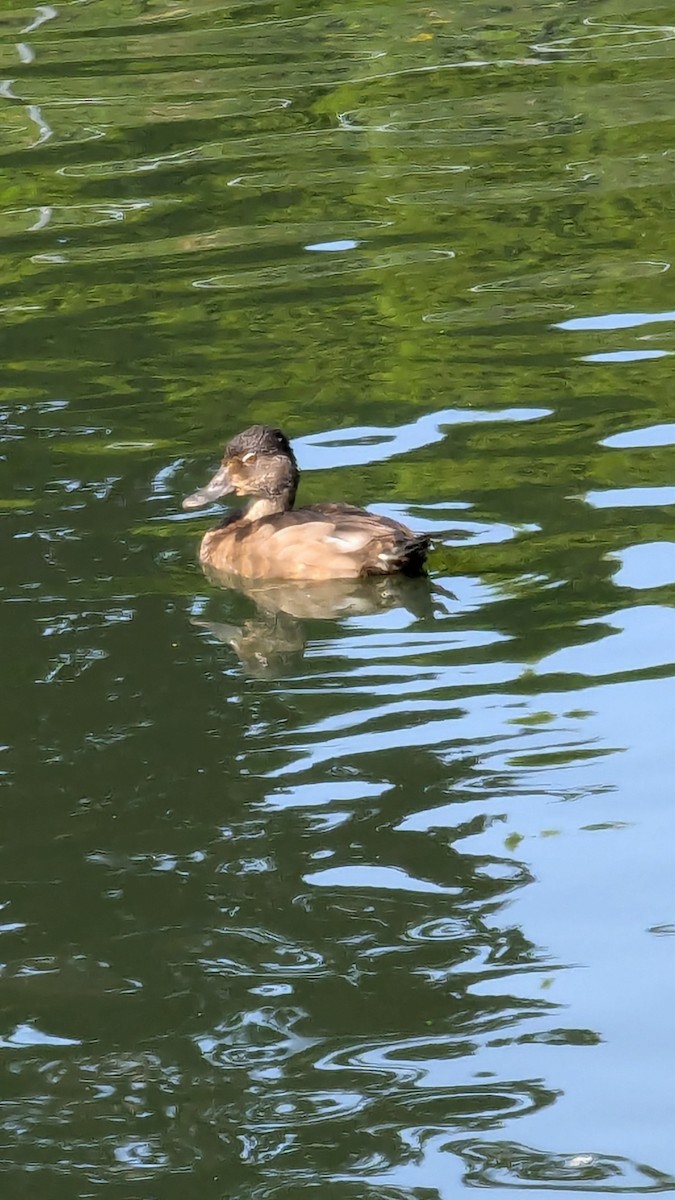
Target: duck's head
pixel 258 462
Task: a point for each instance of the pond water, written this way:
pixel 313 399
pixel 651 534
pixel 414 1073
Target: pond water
pixel 367 896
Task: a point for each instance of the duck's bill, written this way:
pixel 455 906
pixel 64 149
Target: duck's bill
pixel 220 485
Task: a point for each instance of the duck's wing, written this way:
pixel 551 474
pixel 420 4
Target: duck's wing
pixel 334 541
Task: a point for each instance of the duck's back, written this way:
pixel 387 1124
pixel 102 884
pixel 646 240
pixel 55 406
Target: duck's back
pixel 322 541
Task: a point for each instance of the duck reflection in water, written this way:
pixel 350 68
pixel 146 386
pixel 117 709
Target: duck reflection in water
pixel 275 638
pixel 326 561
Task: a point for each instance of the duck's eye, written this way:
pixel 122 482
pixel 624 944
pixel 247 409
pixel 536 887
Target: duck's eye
pixel 248 458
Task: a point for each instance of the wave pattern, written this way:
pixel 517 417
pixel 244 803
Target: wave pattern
pixel 347 891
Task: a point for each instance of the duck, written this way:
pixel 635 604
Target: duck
pixel 270 539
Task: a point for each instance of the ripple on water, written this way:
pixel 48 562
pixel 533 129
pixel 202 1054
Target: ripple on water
pixel 289 1107
pixel 632 497
pixel 258 1038
pixel 649 435
pixel 651 565
pixel 427 1078
pixel 380 878
pixel 638 640
pixel 510 1165
pixel 322 793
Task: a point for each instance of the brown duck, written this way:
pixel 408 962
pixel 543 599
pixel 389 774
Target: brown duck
pixel 269 539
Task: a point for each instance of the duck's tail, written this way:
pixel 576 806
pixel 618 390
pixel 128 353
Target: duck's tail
pixel 407 557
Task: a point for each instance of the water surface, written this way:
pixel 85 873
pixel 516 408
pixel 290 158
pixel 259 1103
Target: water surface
pixel 371 898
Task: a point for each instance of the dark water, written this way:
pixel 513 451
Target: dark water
pixel 369 898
